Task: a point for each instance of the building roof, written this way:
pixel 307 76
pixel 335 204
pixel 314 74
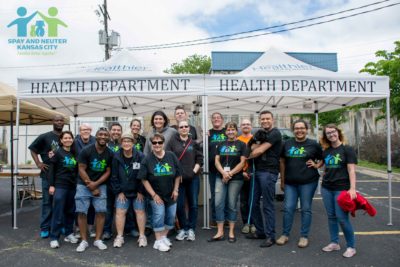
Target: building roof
pixel 238 61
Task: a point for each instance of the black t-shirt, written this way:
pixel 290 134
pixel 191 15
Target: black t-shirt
pixel 140 143
pixel 296 154
pixel 269 160
pixel 114 146
pixel 63 169
pixel 96 164
pixel 336 176
pixel 229 155
pixel 215 137
pixel 161 174
pixel 43 144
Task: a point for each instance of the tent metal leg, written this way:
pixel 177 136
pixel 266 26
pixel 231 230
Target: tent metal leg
pixel 389 159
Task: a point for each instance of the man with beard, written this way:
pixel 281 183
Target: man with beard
pixel 45 145
pixel 94 169
pixel 181 115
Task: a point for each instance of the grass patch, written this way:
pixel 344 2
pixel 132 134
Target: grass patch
pixel 376 166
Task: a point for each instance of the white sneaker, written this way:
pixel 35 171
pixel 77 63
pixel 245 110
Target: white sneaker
pixel 161 246
pixel 71 239
pixel 350 252
pixel 181 235
pixel 191 235
pixel 118 241
pixel 54 244
pixel 100 244
pixel 77 235
pixel 142 241
pixel 331 247
pixel 82 246
pixel 166 241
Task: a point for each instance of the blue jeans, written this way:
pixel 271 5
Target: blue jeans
pixel 212 176
pixel 337 216
pixel 188 190
pixel 84 197
pixel 110 210
pixel 47 206
pixel 304 192
pixel 63 212
pixel 264 186
pixel 163 217
pixel 226 193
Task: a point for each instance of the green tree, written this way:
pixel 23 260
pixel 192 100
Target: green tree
pixel 194 64
pixel 388 65
pixel 336 116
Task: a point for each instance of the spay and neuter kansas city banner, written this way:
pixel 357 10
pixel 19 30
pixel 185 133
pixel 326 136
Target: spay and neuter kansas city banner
pixel 37 31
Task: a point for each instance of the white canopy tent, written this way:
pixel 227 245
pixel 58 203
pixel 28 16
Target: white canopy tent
pixel 277 82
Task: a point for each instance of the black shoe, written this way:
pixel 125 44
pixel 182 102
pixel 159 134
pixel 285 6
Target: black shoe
pixel 255 236
pixel 215 239
pixel 267 243
pixel 231 239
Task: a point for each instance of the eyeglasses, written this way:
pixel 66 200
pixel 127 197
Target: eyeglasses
pixel 331 132
pixel 157 142
pixel 183 126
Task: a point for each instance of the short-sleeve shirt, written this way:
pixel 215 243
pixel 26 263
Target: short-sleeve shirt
pixel 269 160
pixel 229 155
pixel 161 174
pixel 296 154
pixel 63 169
pixel 113 146
pixel 336 176
pixel 215 137
pixel 96 164
pixel 43 144
pixel 140 143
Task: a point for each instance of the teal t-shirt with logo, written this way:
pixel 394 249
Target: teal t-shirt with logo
pixel 161 174
pixel 296 154
pixel 336 159
pixel 229 155
pixel 96 164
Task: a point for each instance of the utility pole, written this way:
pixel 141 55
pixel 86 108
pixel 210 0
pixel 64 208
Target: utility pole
pixel 106 17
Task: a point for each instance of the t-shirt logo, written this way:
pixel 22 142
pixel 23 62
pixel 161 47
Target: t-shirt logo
pixel 332 161
pixel 162 169
pixel 54 145
pixel 218 138
pixel 296 152
pixel 98 166
pixel 114 148
pixel 229 150
pixel 69 162
pixel 138 147
pixel 126 168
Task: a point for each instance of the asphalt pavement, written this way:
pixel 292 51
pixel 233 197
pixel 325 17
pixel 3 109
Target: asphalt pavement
pixel 377 242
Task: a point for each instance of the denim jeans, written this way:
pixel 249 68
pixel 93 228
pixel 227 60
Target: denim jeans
pixel 264 186
pixel 163 217
pixel 84 197
pixel 304 192
pixel 63 212
pixel 110 210
pixel 337 216
pixel 226 194
pixel 211 180
pixel 47 206
pixel 245 201
pixel 188 190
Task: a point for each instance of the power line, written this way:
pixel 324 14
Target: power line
pixel 213 39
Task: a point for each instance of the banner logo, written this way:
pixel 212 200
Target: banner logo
pixel 37 33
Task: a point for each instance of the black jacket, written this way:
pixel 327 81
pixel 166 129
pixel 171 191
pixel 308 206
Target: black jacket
pixel 123 180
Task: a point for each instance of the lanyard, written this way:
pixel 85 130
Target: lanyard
pixel 188 144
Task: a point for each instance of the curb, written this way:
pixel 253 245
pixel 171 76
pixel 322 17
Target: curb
pixel 376 173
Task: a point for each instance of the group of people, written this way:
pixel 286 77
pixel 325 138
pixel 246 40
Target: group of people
pixel 154 180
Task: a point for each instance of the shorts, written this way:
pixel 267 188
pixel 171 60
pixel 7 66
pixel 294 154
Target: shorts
pixel 84 197
pixel 137 205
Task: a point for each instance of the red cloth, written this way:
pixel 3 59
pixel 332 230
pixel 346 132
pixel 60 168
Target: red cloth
pixel 351 205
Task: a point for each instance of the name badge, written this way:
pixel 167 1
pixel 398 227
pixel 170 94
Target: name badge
pixel 227 169
pixel 135 165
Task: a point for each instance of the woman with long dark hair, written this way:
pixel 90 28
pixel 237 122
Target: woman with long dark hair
pixel 62 175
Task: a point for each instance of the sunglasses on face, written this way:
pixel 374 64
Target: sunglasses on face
pixel 157 142
pixel 183 126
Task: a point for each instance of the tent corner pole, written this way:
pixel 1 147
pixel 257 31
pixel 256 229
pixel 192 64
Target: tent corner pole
pixel 206 209
pixel 15 160
pixel 389 159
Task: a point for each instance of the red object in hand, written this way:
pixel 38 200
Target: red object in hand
pixel 351 205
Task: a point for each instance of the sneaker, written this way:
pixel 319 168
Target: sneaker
pixel 142 241
pixel 181 235
pixel 331 247
pixel 134 233
pixel 118 241
pixel 55 244
pixel 100 244
pixel 246 229
pixel 350 252
pixel 303 242
pixel 78 235
pixel 253 229
pixel 191 235
pixel 44 234
pixel 92 232
pixel 106 236
pixel 166 241
pixel 282 240
pixel 71 239
pixel 161 246
pixel 82 246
